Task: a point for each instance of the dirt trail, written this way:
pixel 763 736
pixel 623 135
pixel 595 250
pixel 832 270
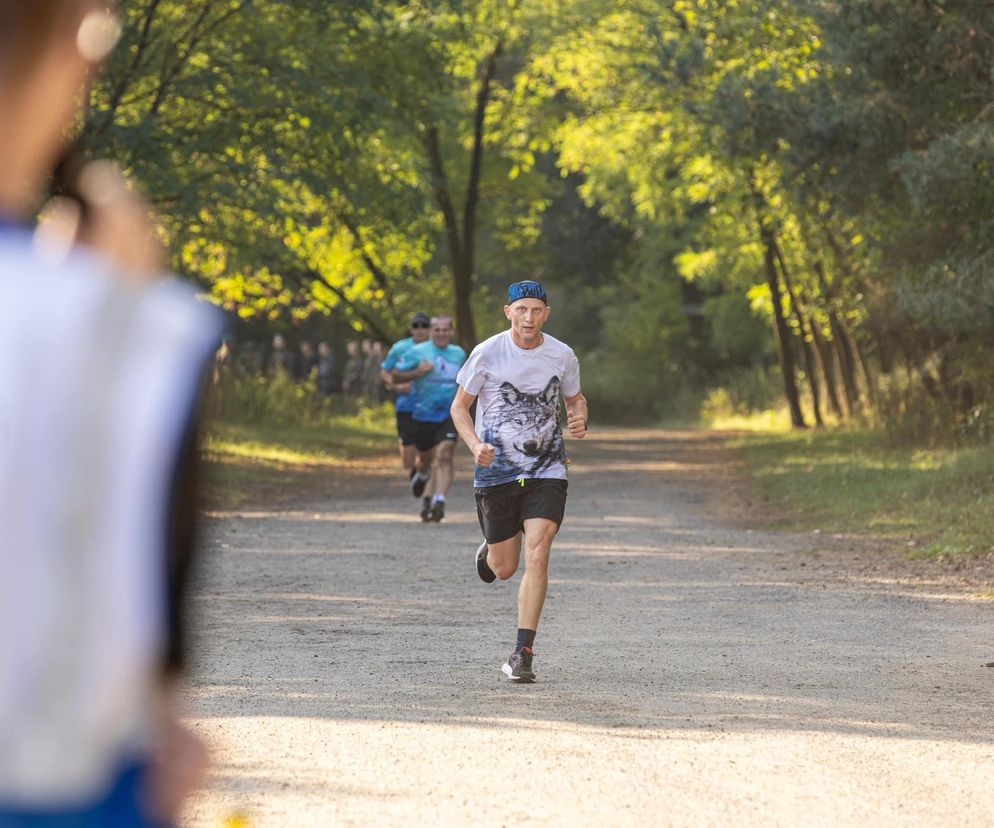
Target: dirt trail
pixel 689 673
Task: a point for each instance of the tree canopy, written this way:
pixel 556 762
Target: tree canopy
pixel 763 195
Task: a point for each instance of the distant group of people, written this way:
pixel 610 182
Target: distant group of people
pixel 360 376
pixel 362 370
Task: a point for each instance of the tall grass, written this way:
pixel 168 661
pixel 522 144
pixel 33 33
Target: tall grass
pixel 267 440
pixel 935 501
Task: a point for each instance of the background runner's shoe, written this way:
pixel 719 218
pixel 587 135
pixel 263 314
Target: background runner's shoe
pixel 438 511
pixel 426 509
pixel 418 483
pixel 485 572
pixel 519 666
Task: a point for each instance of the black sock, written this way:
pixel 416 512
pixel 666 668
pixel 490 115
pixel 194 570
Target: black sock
pixel 526 638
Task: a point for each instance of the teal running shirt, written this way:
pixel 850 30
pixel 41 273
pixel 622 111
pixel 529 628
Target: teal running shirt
pixel 436 390
pixel 395 359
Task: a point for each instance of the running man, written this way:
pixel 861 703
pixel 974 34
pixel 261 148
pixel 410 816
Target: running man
pixel 404 402
pixel 433 367
pixel 517 443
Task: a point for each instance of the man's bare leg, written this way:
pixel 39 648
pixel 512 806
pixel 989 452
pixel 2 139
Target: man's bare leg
pixel 424 461
pixel 539 534
pixel 444 453
pixel 422 479
pixel 503 557
pixel 408 455
pixel 442 477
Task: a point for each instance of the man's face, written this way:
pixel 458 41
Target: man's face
pixel 441 331
pixel 527 317
pixel 420 331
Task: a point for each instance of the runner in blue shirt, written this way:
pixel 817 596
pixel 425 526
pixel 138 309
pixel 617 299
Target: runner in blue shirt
pixel 404 402
pixel 433 367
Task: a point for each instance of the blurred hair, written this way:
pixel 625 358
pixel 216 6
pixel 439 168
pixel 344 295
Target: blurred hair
pixel 28 25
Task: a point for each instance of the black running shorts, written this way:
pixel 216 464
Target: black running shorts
pixel 503 509
pixel 429 435
pixel 406 428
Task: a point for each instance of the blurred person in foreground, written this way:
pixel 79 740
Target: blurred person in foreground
pixel 98 458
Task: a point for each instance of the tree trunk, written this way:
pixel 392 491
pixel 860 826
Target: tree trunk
pixel 847 364
pixel 780 329
pixel 871 388
pixel 824 354
pixel 802 326
pixel 462 241
pixel 825 357
pixel 840 343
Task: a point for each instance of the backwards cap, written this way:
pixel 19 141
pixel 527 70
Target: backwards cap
pixel 526 290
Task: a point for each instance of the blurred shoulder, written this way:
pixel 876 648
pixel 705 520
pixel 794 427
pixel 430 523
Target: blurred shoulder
pixel 60 284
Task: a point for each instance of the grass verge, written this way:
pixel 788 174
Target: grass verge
pixel 248 463
pixel 936 502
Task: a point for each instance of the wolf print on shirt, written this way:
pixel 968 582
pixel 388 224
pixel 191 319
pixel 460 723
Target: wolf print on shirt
pixel 524 429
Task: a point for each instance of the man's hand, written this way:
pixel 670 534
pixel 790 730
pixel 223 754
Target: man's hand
pixel 401 387
pixel 576 425
pixel 425 368
pixel 484 454
pixel 118 223
pixel 179 761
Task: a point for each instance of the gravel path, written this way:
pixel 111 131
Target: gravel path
pixel 347 665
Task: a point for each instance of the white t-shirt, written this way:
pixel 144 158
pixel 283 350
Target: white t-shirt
pixel 517 409
pixel 98 380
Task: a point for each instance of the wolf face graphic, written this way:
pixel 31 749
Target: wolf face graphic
pixel 525 430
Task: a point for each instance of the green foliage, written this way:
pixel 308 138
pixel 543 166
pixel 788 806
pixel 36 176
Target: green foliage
pixel 740 393
pixel 283 402
pixel 654 163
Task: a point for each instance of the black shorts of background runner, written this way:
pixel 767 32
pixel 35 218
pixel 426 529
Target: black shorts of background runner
pixel 429 435
pixel 503 509
pixel 406 428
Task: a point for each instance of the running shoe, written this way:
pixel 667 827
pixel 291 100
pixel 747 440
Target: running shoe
pixel 485 572
pixel 426 509
pixel 438 511
pixel 418 483
pixel 519 666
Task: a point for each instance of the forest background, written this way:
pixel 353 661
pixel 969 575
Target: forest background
pixel 733 203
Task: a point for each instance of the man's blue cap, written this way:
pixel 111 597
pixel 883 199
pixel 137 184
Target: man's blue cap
pixel 526 290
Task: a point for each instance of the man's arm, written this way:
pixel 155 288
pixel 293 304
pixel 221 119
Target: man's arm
pixel 394 385
pixel 576 415
pixel 483 453
pixel 425 367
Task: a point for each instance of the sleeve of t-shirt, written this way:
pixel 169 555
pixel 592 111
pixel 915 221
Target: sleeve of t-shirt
pixel 409 360
pixel 393 357
pixel 473 373
pixel 570 385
